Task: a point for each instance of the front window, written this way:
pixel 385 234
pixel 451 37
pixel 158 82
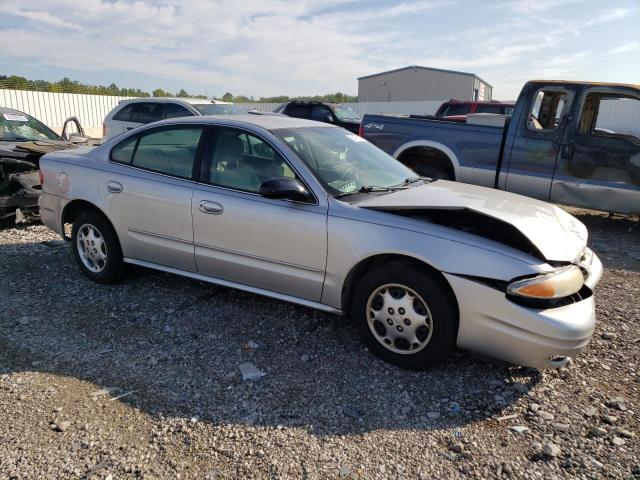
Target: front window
pixel 242 161
pixel 343 162
pixel 345 114
pixel 217 109
pixel 20 127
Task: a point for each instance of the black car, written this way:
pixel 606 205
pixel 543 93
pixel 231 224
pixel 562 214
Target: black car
pixel 335 113
pixel 23 140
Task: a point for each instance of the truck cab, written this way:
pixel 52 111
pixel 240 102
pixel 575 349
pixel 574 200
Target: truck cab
pixel 575 143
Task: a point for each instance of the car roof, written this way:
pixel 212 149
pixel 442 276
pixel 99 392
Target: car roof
pixel 190 101
pixel 268 122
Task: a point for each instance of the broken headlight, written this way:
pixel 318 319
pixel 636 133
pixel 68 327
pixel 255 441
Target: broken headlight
pixel 562 282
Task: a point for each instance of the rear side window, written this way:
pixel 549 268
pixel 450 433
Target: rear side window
pixel 173 110
pixel 171 151
pixel 147 112
pixel 298 111
pixel 124 115
pixel 123 152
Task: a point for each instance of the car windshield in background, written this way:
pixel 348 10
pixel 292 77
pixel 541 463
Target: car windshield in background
pixel 343 162
pixel 344 113
pixel 217 109
pixel 19 127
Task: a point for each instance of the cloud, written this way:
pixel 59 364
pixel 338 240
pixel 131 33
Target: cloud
pixel 626 48
pixel 38 16
pixel 269 47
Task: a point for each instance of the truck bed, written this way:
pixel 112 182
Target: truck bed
pixel 474 149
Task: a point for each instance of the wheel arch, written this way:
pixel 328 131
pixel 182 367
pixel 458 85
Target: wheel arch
pixel 367 264
pixel 430 144
pixel 74 207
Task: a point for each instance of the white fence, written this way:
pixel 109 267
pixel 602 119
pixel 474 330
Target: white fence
pixel 53 108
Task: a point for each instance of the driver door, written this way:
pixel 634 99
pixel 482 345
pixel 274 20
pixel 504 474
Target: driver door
pixel 536 146
pixel 242 237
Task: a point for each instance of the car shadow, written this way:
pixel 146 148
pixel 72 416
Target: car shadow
pixel 178 344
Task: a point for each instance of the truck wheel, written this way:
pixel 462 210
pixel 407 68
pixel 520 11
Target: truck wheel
pixel 405 316
pixel 96 248
pixel 431 171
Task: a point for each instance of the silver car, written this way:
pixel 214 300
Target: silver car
pixel 312 214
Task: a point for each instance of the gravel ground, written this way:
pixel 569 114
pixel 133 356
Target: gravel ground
pixel 142 380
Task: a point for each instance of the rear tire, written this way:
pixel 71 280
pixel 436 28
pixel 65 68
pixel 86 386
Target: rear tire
pixel 96 248
pixel 405 315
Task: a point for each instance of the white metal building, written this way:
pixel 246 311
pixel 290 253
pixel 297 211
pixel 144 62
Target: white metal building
pixel 415 83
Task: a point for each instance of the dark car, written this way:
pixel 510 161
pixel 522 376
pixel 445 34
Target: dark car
pixel 335 113
pixel 23 140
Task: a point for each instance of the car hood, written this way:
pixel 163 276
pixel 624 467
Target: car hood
pixel 555 233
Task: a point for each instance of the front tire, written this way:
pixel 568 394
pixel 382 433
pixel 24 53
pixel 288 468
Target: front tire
pixel 96 248
pixel 405 315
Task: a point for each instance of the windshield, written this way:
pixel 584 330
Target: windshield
pixel 20 127
pixel 342 112
pixel 343 162
pixel 217 109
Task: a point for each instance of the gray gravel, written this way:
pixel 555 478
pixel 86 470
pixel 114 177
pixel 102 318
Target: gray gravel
pixel 143 380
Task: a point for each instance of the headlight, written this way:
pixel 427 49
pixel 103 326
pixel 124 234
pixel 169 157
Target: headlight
pixel 560 283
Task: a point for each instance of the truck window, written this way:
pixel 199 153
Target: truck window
pixel 456 109
pixel 610 115
pixel 547 110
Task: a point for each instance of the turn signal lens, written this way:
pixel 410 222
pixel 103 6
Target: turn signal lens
pixel 560 283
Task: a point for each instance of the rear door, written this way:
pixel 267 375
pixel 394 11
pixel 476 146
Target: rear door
pixel 599 163
pixel 149 190
pixel 537 142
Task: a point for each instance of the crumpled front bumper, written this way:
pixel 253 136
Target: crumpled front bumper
pixel 493 326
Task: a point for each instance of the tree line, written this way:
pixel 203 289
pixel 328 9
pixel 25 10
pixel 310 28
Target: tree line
pixel 67 85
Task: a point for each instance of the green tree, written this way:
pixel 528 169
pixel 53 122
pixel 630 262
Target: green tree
pixel 227 97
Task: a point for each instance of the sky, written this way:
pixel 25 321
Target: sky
pixel 303 47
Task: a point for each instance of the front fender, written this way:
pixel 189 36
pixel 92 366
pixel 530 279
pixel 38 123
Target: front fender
pixel 352 241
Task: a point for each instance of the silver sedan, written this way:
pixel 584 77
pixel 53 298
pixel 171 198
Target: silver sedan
pixel 309 213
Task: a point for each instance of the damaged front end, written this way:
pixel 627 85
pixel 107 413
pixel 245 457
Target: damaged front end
pixel 569 281
pixel 19 190
pixel 20 178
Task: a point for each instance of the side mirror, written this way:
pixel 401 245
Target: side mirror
pixel 285 188
pixel 328 118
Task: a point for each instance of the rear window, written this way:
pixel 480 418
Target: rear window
pixel 499 109
pixel 456 109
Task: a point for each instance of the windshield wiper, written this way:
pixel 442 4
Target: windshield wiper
pixel 374 189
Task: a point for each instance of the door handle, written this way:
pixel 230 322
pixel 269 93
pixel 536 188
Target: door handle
pixel 114 187
pixel 210 207
pixel 130 128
